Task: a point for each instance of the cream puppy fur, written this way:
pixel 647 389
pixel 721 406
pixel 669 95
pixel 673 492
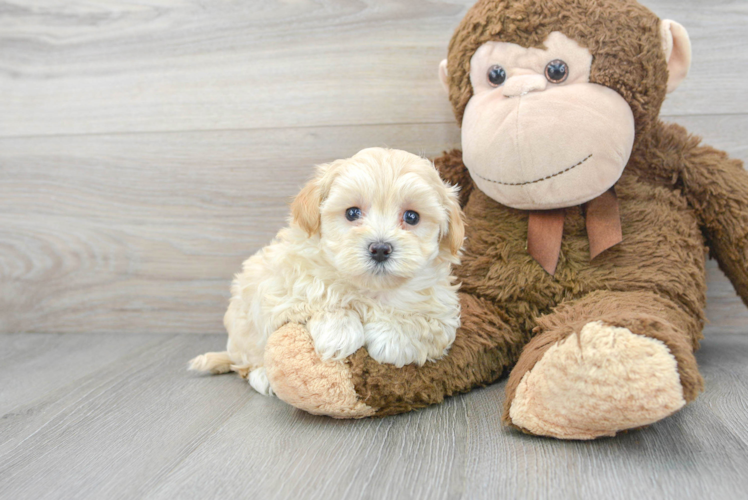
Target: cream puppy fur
pixel 365 261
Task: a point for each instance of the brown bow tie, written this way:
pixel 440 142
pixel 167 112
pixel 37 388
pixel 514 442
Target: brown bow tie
pixel 545 228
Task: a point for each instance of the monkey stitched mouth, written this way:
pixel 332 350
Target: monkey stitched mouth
pixel 536 180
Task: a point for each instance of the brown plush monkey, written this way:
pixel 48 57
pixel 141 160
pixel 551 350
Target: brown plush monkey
pixel 588 219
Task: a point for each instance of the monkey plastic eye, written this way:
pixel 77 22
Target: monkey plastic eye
pixel 557 71
pixel 411 217
pixel 353 213
pixel 496 75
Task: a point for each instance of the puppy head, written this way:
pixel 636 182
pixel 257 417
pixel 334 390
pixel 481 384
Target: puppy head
pixel 382 216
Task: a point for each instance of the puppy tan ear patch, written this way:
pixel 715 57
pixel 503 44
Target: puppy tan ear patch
pixel 305 208
pixel 677 47
pixel 456 233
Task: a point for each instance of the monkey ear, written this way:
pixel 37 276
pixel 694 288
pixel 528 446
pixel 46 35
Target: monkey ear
pixel 443 74
pixel 455 234
pixel 677 47
pixel 305 207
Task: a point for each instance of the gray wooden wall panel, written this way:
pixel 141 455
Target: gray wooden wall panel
pixel 143 232
pixel 87 67
pixel 146 150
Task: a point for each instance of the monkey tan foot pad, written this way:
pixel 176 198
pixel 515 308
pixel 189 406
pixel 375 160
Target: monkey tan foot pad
pixel 597 383
pixel 301 379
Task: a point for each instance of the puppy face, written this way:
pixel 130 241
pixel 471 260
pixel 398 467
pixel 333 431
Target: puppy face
pixel 381 216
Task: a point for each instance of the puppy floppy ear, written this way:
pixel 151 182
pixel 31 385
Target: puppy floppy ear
pixel 305 207
pixel 455 234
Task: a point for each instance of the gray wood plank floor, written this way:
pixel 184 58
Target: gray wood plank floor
pixel 109 416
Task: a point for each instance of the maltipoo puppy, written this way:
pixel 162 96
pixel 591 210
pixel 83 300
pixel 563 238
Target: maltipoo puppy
pixel 365 262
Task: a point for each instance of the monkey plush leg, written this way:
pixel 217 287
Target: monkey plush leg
pixel 360 387
pixel 299 377
pixel 608 362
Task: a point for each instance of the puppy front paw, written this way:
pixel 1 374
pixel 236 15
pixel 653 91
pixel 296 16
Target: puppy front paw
pixel 336 334
pixel 387 343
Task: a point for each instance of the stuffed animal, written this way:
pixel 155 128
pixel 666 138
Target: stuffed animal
pixel 588 226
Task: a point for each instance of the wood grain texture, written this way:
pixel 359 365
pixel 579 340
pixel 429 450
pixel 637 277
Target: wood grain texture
pixel 680 457
pixel 113 432
pixel 286 453
pixel 115 217
pixel 147 148
pixel 53 371
pixel 143 427
pixel 29 364
pixel 82 67
pixel 143 232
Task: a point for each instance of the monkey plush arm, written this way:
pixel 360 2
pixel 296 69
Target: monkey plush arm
pixel 717 188
pixel 452 170
pixel 485 346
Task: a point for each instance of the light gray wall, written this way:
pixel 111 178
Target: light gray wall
pixel 146 150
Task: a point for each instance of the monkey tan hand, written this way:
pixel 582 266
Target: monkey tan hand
pixel 591 298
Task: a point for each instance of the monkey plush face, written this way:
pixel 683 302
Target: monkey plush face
pixel 552 101
pixel 537 134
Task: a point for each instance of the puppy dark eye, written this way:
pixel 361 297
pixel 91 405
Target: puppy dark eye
pixel 496 75
pixel 411 217
pixel 556 71
pixel 353 213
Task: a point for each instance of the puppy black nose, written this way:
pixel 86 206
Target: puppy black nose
pixel 380 251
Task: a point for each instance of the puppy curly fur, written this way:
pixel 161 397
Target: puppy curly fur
pixel 319 271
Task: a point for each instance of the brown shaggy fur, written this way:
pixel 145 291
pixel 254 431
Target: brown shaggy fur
pixel 677 199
